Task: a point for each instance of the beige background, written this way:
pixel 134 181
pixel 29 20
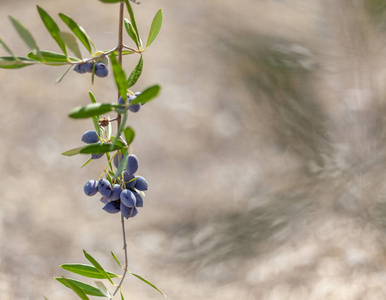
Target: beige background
pixel 264 153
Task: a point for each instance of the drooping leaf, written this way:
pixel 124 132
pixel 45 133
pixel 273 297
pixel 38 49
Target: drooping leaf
pixel 149 283
pixel 86 288
pixel 129 135
pixel 75 288
pixel 72 43
pixel 147 95
pixel 86 271
pixel 110 1
pixel 122 296
pixel 119 77
pixel 52 28
pixel 10 62
pixel 95 119
pixel 131 32
pixel 52 58
pixel 103 289
pixel 26 36
pixel 155 28
pixel 120 129
pixel 92 109
pixel 98 266
pixel 78 31
pixel 135 74
pixel 64 74
pixel 132 19
pixel 116 259
pixel 122 166
pixel 96 148
pixel 89 161
pixel 6 48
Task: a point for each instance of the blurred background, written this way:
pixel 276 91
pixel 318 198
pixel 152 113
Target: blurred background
pixel 265 153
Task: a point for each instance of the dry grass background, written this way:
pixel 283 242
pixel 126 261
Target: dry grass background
pixel 264 154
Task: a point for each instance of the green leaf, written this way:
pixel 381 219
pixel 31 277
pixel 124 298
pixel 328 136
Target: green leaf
pixel 86 271
pixel 95 119
pixel 97 265
pixel 92 109
pixel 132 19
pixel 103 289
pixel 78 31
pixel 6 48
pixel 26 36
pixel 75 288
pixel 64 74
pixel 86 288
pixel 96 148
pixel 72 43
pixel 131 32
pixel 155 28
pixel 119 76
pixel 87 162
pixel 129 135
pixel 110 1
pixel 52 28
pixel 135 74
pixel 122 296
pixel 122 166
pixel 11 62
pixel 116 259
pixel 52 58
pixel 147 95
pixel 148 282
pixel 123 122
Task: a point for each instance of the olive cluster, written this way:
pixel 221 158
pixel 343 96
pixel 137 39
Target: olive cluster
pixel 100 68
pixel 123 194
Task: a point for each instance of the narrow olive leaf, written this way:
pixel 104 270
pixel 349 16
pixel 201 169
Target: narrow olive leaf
pixel 75 288
pixel 94 149
pixel 77 30
pixel 155 28
pixel 120 129
pixel 92 109
pixel 132 19
pixel 135 74
pixel 92 97
pixel 89 161
pixel 129 135
pixel 26 36
pixel 147 95
pixel 122 166
pixel 131 32
pixel 98 266
pixel 86 271
pixel 149 283
pixel 6 48
pixel 72 43
pixel 64 74
pixel 10 62
pixel 86 288
pixel 110 1
pixel 115 258
pixel 95 119
pixel 103 289
pixel 52 58
pixel 52 28
pixel 122 296
pixel 119 76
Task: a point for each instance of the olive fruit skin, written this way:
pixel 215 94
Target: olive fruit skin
pixel 141 183
pixel 138 200
pixel 112 207
pixel 132 164
pixel 101 70
pixel 104 187
pixel 84 67
pixel 128 198
pixel 133 108
pixel 90 137
pixel 91 187
pixel 115 192
pixel 128 212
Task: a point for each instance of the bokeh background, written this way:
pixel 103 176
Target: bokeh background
pixel 265 153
